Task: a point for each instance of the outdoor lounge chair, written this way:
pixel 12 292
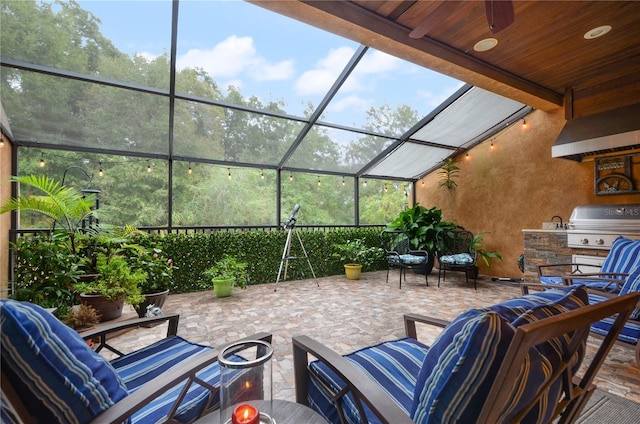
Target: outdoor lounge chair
pixel 398 253
pixel 50 374
pixel 513 362
pixel 619 274
pixel 621 259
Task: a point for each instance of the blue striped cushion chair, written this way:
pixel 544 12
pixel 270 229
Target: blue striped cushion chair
pixel 463 362
pixel 632 284
pixel 622 258
pixel 63 380
pixel 54 371
pixel 451 381
pixel 395 365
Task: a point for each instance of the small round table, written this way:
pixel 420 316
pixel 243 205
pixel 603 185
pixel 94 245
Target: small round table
pixel 284 412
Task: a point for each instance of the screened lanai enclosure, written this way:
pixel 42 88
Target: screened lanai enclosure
pixel 221 113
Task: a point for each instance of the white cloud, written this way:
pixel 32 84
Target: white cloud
pixel 378 63
pixel 234 57
pixel 349 103
pixel 148 56
pixel 320 79
pixel 436 99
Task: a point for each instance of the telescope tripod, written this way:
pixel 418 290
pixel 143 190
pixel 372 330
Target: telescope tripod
pixel 286 256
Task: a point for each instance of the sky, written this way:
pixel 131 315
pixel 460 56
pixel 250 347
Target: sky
pixel 271 56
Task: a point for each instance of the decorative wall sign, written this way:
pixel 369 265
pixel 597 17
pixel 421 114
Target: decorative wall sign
pixel 614 175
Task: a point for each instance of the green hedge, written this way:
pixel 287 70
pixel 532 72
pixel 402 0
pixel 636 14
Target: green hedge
pixel 192 254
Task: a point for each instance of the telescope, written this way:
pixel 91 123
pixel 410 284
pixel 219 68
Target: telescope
pixel 291 222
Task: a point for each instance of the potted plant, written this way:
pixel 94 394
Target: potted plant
pixel 421 225
pixel 355 254
pixel 481 253
pixel 81 317
pixel 227 273
pixel 115 284
pixel 159 269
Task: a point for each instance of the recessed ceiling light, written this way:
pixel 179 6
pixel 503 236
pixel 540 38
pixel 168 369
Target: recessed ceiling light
pixel 597 32
pixel 486 44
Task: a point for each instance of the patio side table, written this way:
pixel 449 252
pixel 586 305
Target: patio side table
pixel 284 412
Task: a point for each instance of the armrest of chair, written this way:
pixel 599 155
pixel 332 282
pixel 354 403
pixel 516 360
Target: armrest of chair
pixel 418 252
pixel 105 329
pixel 359 384
pixel 543 269
pixel 129 405
pixel 611 283
pixel 411 319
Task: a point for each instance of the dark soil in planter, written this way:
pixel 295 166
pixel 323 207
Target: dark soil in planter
pixel 427 268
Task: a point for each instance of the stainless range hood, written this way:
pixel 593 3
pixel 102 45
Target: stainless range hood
pixel 605 132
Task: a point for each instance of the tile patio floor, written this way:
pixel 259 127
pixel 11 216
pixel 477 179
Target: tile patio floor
pixel 346 315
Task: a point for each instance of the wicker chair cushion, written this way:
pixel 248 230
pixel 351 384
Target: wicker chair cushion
pixel 55 371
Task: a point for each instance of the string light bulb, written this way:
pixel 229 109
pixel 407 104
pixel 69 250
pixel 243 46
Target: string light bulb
pixel 190 170
pixel 100 172
pixel 148 167
pixel 1 142
pixel 467 155
pixel 491 144
pixel 319 183
pixel 365 183
pixel 228 173
pixel 524 123
pixel 41 160
pixel 291 177
pixel 385 188
pixel 344 183
pixel 262 175
pixel 422 181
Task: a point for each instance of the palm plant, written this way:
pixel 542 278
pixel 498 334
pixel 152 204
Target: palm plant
pixel 65 206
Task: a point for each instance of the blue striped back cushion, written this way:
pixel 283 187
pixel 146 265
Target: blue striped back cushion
pixel 460 367
pixel 623 256
pixel 552 350
pixel 394 365
pixel 463 362
pixel 58 377
pixel 630 332
pixel 632 285
pixel 139 367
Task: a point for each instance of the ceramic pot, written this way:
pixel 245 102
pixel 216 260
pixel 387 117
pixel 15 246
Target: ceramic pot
pixel 108 309
pixel 223 287
pixel 156 299
pixel 352 271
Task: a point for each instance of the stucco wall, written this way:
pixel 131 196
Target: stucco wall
pixel 516 185
pixel 5 219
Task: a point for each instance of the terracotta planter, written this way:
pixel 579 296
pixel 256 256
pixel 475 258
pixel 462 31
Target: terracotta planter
pixel 107 309
pixel 223 287
pixel 156 299
pixel 353 271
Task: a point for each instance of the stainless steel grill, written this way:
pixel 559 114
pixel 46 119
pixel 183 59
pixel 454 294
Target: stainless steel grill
pixel 597 226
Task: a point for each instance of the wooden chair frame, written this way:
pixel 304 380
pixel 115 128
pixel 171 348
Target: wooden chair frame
pixel 126 407
pixel 576 390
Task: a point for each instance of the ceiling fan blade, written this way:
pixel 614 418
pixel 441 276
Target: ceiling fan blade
pixel 499 13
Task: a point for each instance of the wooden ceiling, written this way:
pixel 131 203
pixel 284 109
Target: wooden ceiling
pixel 542 59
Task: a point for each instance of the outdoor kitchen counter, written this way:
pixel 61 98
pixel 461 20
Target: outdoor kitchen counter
pixel 543 247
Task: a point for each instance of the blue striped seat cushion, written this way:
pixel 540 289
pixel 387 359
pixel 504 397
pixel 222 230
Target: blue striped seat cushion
pixel 139 367
pixel 630 332
pixel 394 365
pixel 56 374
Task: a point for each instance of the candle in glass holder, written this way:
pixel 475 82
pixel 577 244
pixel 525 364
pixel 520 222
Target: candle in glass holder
pixel 245 414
